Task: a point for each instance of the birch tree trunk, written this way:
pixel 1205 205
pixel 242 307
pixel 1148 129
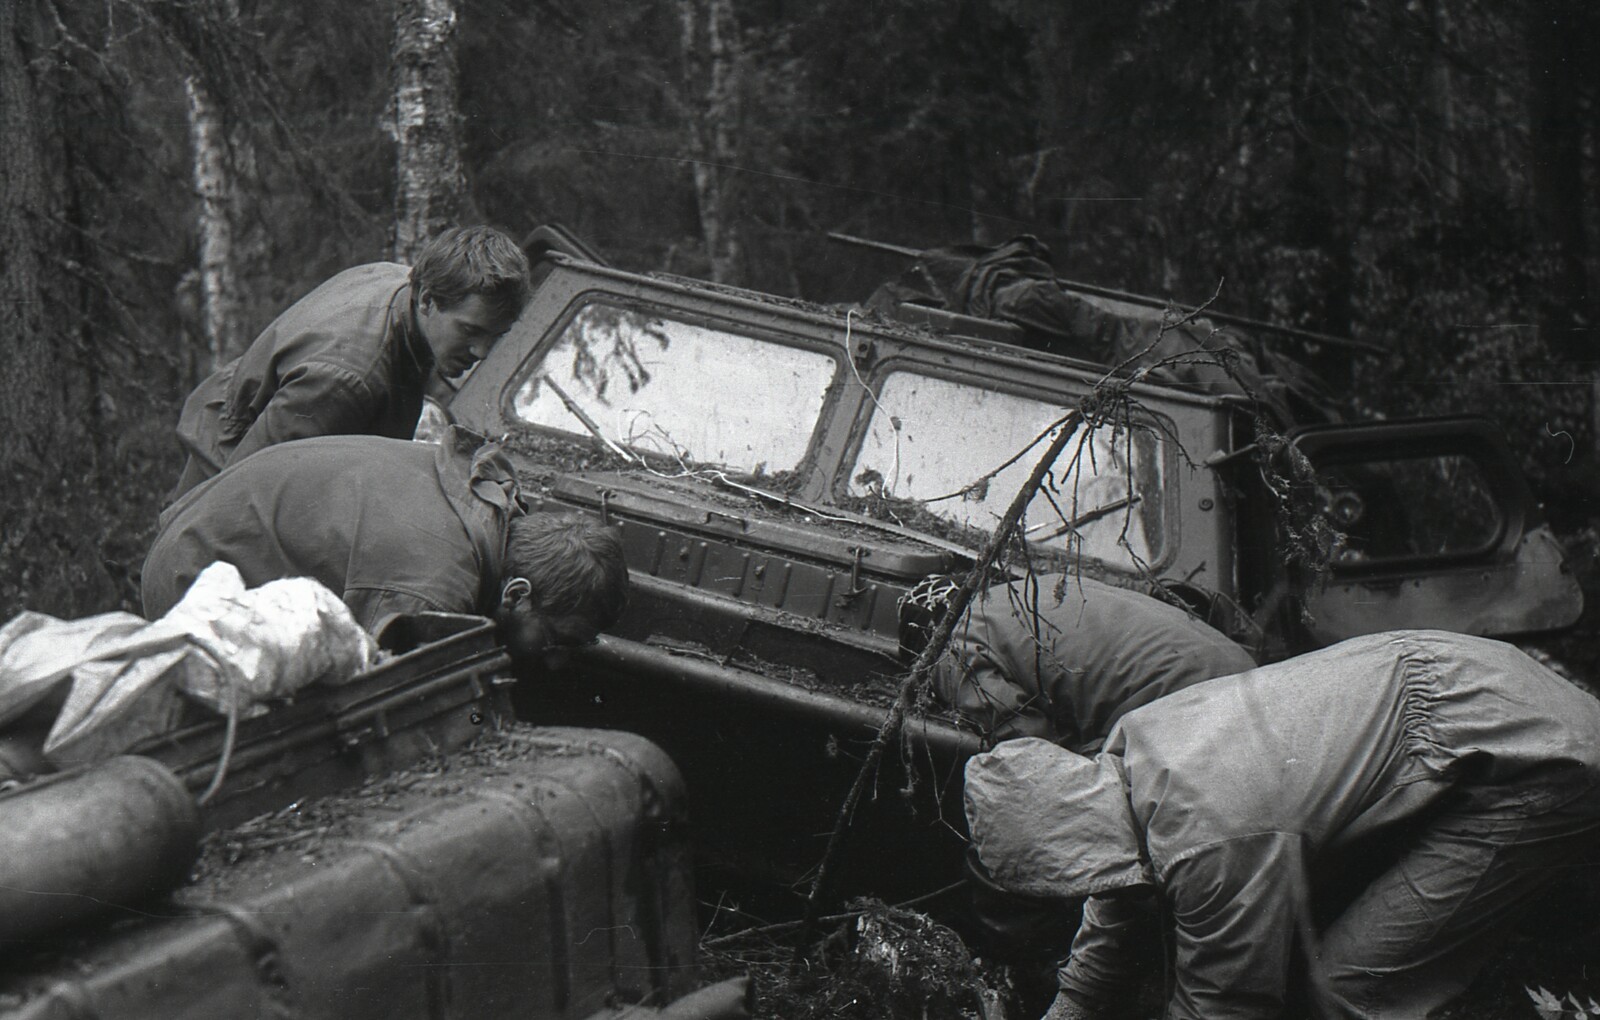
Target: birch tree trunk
pixel 221 305
pixel 430 186
pixel 1556 154
pixel 1441 100
pixel 711 78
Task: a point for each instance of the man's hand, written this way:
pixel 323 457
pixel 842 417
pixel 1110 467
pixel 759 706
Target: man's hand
pixel 1067 1008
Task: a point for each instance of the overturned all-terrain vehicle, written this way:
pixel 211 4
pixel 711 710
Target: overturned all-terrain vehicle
pixel 783 473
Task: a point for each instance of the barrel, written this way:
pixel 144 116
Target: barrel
pixel 110 837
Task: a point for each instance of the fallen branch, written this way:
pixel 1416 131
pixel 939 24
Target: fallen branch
pixel 1067 427
pixel 780 927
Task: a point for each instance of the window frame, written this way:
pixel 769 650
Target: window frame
pixel 1131 564
pixel 529 365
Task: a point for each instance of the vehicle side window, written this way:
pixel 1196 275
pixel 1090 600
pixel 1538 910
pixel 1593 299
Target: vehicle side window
pixel 1410 506
pixel 929 439
pixel 701 395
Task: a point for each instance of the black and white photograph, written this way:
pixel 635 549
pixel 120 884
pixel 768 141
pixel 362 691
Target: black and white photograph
pixel 858 510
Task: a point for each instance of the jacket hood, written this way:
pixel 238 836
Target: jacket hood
pixel 1049 823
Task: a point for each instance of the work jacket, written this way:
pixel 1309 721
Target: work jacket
pixel 1066 659
pixel 346 359
pixel 391 525
pixel 1228 796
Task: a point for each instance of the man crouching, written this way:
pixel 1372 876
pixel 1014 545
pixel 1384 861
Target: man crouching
pixel 1454 774
pixel 394 527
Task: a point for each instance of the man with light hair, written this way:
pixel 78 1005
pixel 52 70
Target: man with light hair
pixel 354 356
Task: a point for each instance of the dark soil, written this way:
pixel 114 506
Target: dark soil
pixel 879 962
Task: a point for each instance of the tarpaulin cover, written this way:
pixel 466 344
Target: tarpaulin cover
pixel 543 874
pixel 223 645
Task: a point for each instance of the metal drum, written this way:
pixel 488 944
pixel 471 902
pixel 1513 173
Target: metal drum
pixel 80 843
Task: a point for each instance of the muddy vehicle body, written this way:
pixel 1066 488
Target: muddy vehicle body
pixel 782 473
pixel 398 845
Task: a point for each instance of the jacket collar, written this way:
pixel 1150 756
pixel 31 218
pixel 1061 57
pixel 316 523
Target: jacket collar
pixel 407 332
pixel 1049 823
pixel 479 481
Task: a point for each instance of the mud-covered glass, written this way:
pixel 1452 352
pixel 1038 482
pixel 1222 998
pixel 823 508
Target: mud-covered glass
pixel 700 395
pixel 945 444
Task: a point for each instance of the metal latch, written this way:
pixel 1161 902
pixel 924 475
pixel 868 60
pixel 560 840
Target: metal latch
pixel 719 515
pixel 857 553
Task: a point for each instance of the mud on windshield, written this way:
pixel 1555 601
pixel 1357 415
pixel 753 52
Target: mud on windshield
pixel 690 397
pixel 961 451
pixel 684 392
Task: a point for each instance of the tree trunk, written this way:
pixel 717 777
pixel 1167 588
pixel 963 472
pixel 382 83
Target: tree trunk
pixel 251 255
pixel 430 185
pixel 1442 102
pixel 220 298
pixel 1319 202
pixel 1048 67
pixel 30 410
pixel 711 77
pixel 1555 136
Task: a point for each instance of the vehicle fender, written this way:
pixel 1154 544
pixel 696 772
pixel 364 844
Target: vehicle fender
pixel 1531 592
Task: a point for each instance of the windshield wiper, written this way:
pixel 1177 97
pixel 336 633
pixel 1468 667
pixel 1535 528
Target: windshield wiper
pixel 588 422
pixel 1088 517
pixel 860 520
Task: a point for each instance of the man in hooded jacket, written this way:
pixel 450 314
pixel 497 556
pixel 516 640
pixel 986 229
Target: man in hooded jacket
pixel 1236 799
pixel 1063 656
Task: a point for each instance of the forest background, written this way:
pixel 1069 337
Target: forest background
pixel 1419 174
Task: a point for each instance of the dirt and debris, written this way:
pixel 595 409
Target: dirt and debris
pixel 550 456
pixel 766 496
pixel 872 962
pixel 306 828
pixel 915 516
pixel 876 961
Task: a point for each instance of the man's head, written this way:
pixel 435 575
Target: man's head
pixel 470 284
pixel 565 582
pixel 921 609
pixel 1048 823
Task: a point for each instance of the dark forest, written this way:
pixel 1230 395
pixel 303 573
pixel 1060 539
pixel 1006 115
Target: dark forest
pixel 1419 175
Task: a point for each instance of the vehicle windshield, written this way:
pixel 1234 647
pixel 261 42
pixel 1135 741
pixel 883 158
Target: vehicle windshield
pixel 931 439
pixel 702 396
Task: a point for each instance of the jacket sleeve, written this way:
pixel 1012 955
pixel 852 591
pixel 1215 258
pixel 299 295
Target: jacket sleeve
pixel 1238 908
pixel 972 683
pixel 371 606
pixel 1110 949
pixel 314 399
